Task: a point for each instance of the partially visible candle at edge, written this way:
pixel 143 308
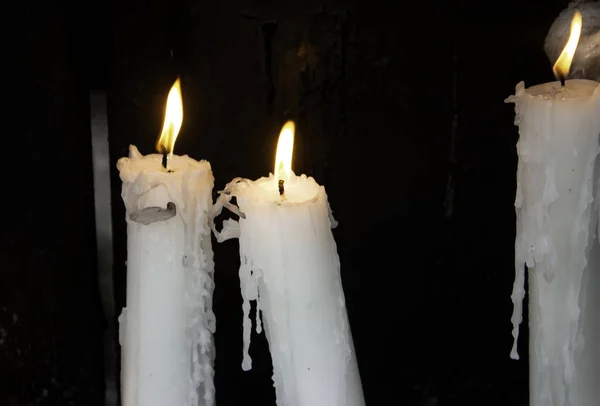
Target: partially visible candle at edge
pixel 290 266
pixel 557 239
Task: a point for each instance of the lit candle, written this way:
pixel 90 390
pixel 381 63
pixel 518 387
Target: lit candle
pixel 167 326
pixel 290 266
pixel 559 127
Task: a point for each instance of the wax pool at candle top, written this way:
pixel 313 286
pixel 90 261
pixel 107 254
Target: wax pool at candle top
pixel 298 189
pixel 151 164
pixel 573 89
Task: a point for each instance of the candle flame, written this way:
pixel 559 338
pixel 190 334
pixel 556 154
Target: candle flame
pixel 285 150
pixel 563 63
pixel 173 120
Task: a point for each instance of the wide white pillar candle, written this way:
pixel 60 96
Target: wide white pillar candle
pixel 557 223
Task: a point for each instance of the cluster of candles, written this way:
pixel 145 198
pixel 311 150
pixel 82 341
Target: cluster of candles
pixel 290 266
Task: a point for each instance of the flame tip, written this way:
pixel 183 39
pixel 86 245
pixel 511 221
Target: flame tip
pixel 563 62
pixel 285 151
pixel 173 120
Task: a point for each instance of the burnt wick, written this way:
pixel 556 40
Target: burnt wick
pixel 562 80
pixel 281 188
pixel 164 160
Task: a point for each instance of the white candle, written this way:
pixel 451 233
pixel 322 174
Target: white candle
pixel 166 328
pixel 556 206
pixel 290 266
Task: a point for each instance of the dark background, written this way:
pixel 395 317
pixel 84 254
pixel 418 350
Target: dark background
pixel 400 114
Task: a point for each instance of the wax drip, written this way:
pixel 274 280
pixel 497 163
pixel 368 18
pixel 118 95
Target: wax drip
pixel 198 297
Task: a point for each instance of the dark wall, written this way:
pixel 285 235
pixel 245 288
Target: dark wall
pixel 399 113
pixel 51 320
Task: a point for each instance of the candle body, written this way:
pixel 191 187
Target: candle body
pixel 557 223
pixel 166 328
pixel 290 265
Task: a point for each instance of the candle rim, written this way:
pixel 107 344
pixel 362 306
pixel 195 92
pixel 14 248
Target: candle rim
pixel 265 189
pixel 574 89
pixel 136 164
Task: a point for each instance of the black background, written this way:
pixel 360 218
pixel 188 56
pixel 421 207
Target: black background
pixel 400 114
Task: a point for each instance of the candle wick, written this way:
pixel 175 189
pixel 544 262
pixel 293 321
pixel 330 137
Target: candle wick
pixel 562 80
pixel 164 160
pixel 281 188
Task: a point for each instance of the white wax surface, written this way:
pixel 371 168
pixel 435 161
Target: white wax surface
pixel 166 328
pixel 557 239
pixel 291 266
pixel 298 189
pixel 574 89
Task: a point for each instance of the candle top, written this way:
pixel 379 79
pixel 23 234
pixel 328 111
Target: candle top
pixel 147 184
pixel 298 189
pixel 130 167
pixel 573 89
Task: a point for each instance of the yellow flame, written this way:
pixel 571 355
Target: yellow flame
pixel 173 120
pixel 285 150
pixel 563 63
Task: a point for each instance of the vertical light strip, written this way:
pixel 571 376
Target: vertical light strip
pixel 101 161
